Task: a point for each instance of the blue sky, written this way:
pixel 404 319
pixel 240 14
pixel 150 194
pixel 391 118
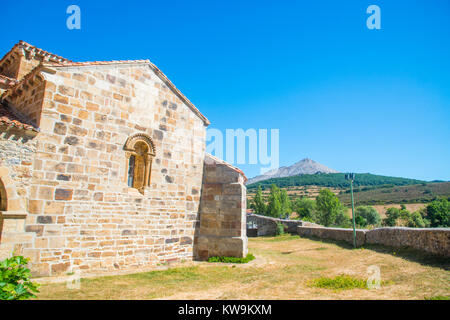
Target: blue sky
pixel 348 97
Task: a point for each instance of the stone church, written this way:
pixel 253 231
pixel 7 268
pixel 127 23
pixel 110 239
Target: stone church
pixel 103 168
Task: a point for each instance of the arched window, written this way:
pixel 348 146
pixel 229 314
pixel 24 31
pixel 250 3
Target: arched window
pixel 140 151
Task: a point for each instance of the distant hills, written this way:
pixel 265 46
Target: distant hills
pixel 418 193
pixel 334 180
pixel 305 166
pixel 307 177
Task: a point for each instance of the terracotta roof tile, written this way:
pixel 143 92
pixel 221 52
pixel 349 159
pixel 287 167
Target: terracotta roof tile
pixel 7 81
pixel 28 47
pixel 93 63
pixel 11 119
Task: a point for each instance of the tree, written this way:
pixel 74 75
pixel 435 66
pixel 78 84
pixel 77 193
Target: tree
pixel 438 213
pixel 274 208
pixel 285 202
pixel 328 207
pixel 392 214
pixel 305 208
pixel 258 204
pixel 369 214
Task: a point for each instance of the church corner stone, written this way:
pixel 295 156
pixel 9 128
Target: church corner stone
pixel 222 229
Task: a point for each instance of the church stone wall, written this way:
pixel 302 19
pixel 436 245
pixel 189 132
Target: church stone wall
pixel 82 214
pixel 17 154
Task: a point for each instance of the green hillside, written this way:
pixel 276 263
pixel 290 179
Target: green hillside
pixel 418 193
pixel 335 180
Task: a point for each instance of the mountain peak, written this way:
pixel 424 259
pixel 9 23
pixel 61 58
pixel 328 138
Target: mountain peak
pixel 304 166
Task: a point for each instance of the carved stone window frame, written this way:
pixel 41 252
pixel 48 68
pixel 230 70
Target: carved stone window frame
pixel 130 150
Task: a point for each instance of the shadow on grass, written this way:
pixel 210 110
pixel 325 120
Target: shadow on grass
pixel 406 253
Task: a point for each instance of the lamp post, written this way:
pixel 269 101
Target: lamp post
pixel 351 177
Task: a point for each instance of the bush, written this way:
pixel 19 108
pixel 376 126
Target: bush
pixel 280 229
pixel 305 208
pixel 369 214
pixel 392 214
pixel 246 259
pixel 15 281
pixel 360 221
pixel 416 221
pixel 438 213
pixel 343 220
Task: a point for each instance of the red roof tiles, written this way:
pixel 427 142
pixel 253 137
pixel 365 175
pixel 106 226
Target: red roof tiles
pixel 7 81
pixel 11 119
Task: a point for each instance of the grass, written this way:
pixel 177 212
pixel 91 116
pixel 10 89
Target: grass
pixel 438 298
pixel 246 259
pixel 341 282
pixel 283 269
pixel 283 237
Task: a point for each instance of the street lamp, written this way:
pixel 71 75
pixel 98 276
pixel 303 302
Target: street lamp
pixel 351 177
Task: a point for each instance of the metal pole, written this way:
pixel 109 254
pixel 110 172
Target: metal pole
pixel 353 215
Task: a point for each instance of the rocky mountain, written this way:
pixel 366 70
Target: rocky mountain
pixel 305 166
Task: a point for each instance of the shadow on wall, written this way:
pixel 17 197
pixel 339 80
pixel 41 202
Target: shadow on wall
pixel 267 226
pixel 410 254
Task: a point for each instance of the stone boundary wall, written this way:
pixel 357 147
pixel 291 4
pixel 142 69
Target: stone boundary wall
pixel 341 234
pixel 435 241
pixel 267 226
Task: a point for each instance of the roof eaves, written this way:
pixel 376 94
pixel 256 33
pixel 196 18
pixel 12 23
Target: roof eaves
pixel 11 119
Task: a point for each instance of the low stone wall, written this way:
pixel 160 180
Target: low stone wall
pixel 267 226
pixel 333 233
pixel 435 241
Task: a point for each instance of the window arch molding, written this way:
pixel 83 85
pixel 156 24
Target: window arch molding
pixel 3 197
pixel 139 151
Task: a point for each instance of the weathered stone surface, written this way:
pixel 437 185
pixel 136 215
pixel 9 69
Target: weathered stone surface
pixel 340 234
pixel 222 230
pixel 267 226
pixel 70 180
pixel 431 240
pixel 436 240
